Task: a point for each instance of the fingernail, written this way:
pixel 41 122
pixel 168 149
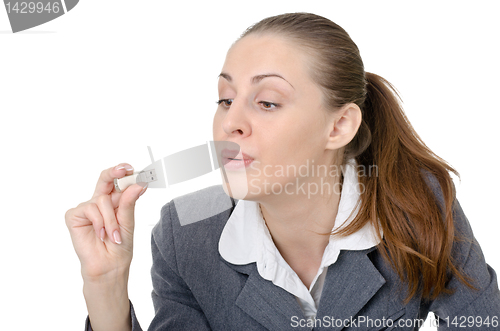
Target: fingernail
pixel 102 234
pixel 125 166
pixel 117 237
pixel 144 188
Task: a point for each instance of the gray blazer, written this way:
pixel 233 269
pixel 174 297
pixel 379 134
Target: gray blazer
pixel 194 288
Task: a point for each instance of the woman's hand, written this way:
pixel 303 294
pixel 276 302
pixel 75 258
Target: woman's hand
pixel 102 228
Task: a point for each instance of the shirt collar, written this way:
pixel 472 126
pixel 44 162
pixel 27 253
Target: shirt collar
pixel 246 238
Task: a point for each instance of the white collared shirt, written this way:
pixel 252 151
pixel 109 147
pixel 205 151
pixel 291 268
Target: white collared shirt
pixel 246 239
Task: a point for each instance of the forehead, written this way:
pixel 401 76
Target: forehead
pixel 258 54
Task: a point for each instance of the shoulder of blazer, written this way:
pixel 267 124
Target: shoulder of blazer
pixel 198 206
pixel 175 237
pixel 434 185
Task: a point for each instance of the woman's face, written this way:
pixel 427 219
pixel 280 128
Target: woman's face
pixel 273 110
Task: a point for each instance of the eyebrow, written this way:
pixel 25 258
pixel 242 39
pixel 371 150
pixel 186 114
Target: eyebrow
pixel 255 79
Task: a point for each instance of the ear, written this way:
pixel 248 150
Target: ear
pixel 344 123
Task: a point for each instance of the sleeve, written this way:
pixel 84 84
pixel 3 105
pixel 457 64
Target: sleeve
pixel 175 306
pixel 468 308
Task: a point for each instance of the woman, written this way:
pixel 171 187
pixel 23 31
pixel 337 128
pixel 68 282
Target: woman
pixel 297 251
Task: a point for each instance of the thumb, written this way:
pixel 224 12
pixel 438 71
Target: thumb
pixel 126 206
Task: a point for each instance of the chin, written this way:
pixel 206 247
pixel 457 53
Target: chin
pixel 236 185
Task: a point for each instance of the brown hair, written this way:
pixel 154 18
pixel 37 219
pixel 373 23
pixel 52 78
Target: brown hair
pixel 417 243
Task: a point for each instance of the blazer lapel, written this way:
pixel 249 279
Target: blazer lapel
pixel 350 283
pixel 268 304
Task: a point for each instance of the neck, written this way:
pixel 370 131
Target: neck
pixel 298 223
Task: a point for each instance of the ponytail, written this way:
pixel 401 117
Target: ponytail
pixel 418 230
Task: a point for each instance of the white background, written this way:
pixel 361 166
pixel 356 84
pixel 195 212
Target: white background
pixel 96 86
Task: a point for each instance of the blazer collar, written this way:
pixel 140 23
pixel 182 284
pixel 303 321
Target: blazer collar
pixel 350 283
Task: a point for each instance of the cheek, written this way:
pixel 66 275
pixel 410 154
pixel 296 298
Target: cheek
pixel 216 126
pixel 299 137
pixel 287 149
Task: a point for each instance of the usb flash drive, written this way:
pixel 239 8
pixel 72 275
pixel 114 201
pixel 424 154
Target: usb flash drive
pixel 146 176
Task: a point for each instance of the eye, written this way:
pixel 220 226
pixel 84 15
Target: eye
pixel 269 105
pixel 265 104
pixel 226 102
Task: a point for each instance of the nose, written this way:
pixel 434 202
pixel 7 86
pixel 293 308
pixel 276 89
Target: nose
pixel 235 122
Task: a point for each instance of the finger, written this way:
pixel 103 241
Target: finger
pixel 68 217
pixel 105 182
pixel 108 213
pixel 92 212
pixel 125 213
pixel 75 217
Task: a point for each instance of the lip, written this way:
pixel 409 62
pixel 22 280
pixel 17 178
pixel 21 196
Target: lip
pixel 235 160
pixel 235 154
